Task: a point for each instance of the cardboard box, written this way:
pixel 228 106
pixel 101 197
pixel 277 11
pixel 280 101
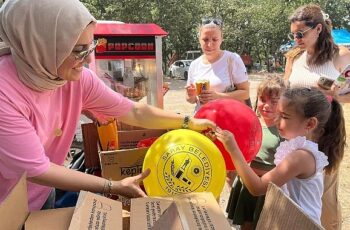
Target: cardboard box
pixel 281 212
pixel 96 212
pixel 122 126
pixel 145 212
pixel 53 219
pixel 14 212
pixel 127 161
pixel 127 140
pixel 92 210
pixel 119 164
pixel 186 211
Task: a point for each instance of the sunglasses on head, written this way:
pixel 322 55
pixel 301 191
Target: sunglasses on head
pixel 85 53
pixel 215 21
pixel 299 34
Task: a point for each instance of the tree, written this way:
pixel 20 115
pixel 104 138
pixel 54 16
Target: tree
pixel 257 27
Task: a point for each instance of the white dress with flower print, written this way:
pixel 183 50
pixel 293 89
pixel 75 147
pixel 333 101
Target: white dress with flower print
pixel 307 193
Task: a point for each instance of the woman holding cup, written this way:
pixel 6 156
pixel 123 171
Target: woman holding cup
pixel 217 73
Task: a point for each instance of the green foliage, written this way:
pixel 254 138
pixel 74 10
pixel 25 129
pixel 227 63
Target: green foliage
pixel 257 27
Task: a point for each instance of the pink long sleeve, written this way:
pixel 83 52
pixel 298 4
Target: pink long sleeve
pixel 29 122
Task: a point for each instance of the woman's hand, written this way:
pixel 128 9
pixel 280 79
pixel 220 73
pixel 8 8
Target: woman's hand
pixel 191 90
pixel 191 93
pixel 130 186
pixel 201 124
pixel 333 91
pixel 207 95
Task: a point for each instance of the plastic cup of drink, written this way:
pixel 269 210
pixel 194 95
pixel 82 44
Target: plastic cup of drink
pixel 202 85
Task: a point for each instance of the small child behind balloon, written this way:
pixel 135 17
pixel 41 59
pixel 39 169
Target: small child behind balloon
pixel 244 208
pixel 314 129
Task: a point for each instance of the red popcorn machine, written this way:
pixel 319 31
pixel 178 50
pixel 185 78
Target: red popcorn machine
pixel 128 58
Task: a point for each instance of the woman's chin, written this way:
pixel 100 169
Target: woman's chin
pixel 209 52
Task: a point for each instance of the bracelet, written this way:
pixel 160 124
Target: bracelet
pixel 110 184
pixel 186 121
pixel 104 187
pixel 107 187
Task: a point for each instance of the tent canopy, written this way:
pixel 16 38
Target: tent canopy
pixel 341 36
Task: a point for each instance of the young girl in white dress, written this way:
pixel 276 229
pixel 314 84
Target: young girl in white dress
pixel 306 117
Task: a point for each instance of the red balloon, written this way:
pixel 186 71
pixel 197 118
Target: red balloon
pixel 239 119
pixel 146 142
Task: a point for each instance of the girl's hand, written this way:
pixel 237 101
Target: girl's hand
pixel 130 186
pixel 207 95
pixel 227 139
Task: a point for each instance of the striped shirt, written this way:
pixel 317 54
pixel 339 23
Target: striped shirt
pixel 304 75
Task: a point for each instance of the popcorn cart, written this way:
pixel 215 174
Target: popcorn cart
pixel 128 58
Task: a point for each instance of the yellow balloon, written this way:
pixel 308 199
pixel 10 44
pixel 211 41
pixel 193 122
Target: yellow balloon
pixel 184 161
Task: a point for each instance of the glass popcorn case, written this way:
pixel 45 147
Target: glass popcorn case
pixel 128 58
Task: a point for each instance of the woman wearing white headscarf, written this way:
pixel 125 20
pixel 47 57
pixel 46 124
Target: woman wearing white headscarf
pixel 44 88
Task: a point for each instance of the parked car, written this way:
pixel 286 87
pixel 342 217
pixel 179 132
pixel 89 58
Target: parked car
pixel 180 69
pixel 193 54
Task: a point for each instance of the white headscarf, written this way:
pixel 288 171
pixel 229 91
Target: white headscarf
pixel 41 34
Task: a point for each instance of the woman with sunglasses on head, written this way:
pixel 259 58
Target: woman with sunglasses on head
pixel 316 61
pixel 221 68
pixel 217 73
pixel 44 89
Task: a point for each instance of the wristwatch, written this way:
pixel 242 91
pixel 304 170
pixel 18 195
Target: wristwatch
pixel 186 121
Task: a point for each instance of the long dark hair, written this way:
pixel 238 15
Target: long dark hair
pixel 330 133
pixel 312 15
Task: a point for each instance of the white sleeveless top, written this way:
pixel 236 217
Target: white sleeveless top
pixel 304 75
pixel 307 192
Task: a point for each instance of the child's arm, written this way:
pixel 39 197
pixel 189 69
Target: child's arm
pixel 299 164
